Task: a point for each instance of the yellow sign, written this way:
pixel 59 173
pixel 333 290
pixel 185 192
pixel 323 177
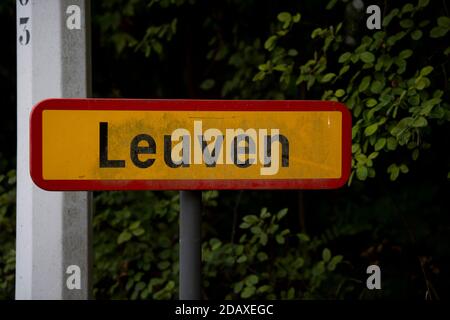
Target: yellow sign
pixel 178 144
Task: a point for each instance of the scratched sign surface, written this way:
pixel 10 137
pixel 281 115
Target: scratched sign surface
pixel 104 144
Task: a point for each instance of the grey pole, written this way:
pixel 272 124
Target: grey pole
pixel 53 247
pixel 190 245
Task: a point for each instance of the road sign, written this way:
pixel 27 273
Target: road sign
pixel 114 144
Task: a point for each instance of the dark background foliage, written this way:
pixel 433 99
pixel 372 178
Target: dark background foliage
pixel 273 244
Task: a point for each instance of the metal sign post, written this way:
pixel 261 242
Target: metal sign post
pixel 53 250
pixel 190 245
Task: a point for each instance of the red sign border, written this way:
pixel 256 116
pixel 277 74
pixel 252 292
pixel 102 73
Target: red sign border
pixel 185 105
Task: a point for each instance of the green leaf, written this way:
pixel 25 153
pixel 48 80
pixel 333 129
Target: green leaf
pixel 140 285
pixel 135 225
pixel 339 93
pixel 421 84
pixel 282 213
pixel 215 244
pixel 259 76
pixel 415 154
pixel 376 87
pixel 248 292
pixel 407 8
pixel 239 249
pixel 163 265
pixel 344 69
pixel 404 168
pixel 355 131
pixel 242 259
pixel 138 232
pixel 394 171
pixel 428 106
pixel 371 102
pixel 270 43
pixel 326 255
pixel 406 23
pixel 373 155
pixel 264 288
pixel 318 269
pixel 416 35
pixel 361 173
pixel 328 77
pixel 280 67
pixel 380 144
pixel 310 82
pixel 367 57
pixel 303 237
pixel 124 237
pixel 292 52
pixel 291 293
pixel 331 4
pixel 401 126
pixel 443 22
pixel 391 143
pixel 344 57
pixel 264 213
pixel 334 262
pixel 280 239
pixel 256 230
pixel 157 46
pixel 251 280
pixel 387 62
pixel 296 18
pixel 238 287
pixel 263 239
pixel 394 38
pixel 423 3
pixel 405 54
pixel 364 83
pixel 361 158
pixel 244 225
pixel 370 130
pixel 250 219
pixel 207 84
pixel 316 32
pixel 420 122
pixel 263 67
pixel 426 70
pixel 438 32
pixel 262 256
pixel 414 100
pixel 284 16
pixel 387 19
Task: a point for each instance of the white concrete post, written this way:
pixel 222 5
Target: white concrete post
pixel 53 250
